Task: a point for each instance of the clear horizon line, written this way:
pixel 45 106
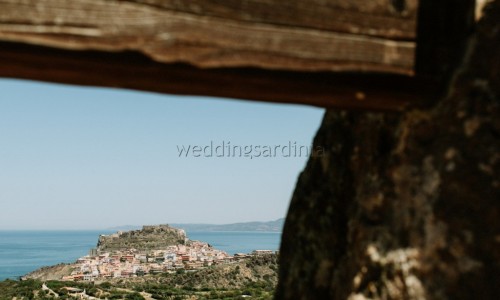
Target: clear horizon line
pixel 132 225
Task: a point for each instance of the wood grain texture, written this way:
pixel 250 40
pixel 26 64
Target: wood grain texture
pixel 317 35
pixel 330 53
pixel 388 92
pixel 387 19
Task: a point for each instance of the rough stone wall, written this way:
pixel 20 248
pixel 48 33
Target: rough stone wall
pixel 404 206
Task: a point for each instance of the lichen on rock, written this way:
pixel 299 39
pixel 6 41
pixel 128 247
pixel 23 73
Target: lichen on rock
pixel 404 206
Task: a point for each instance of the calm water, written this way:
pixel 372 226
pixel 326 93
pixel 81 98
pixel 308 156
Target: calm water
pixel 24 251
pixel 239 242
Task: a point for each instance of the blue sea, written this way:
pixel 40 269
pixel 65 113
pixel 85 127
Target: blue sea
pixel 24 251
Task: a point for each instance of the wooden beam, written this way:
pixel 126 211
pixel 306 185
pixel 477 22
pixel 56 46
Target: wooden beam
pixel 136 71
pixel 336 53
pixel 264 34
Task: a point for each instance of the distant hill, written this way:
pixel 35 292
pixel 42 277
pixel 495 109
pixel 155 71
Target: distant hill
pixel 124 228
pixel 271 226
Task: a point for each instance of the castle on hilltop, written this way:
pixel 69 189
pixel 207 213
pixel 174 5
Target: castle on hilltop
pixel 147 238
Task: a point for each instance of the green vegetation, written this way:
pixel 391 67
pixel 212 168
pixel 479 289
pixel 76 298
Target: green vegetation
pixel 24 289
pixel 32 290
pixel 255 277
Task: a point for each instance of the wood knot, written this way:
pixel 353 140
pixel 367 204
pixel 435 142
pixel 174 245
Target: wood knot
pixel 399 5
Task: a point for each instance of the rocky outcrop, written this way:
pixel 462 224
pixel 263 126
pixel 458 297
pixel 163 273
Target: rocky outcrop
pixel 404 206
pixel 148 238
pixel 55 272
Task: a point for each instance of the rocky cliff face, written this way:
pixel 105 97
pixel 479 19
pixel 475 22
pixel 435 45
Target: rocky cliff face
pixel 148 238
pixel 404 206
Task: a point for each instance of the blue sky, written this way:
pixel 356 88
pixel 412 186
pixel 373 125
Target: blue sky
pixel 84 158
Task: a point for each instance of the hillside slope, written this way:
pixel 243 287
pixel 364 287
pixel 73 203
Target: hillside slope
pixel 255 277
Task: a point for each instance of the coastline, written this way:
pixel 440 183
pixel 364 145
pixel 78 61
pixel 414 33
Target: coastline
pixel 67 252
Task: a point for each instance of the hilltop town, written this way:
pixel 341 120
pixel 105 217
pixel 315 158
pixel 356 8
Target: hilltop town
pixel 254 277
pixel 155 263
pixel 152 250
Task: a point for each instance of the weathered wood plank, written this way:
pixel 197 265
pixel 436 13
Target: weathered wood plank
pixel 380 18
pixel 330 53
pixel 131 70
pixel 319 35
